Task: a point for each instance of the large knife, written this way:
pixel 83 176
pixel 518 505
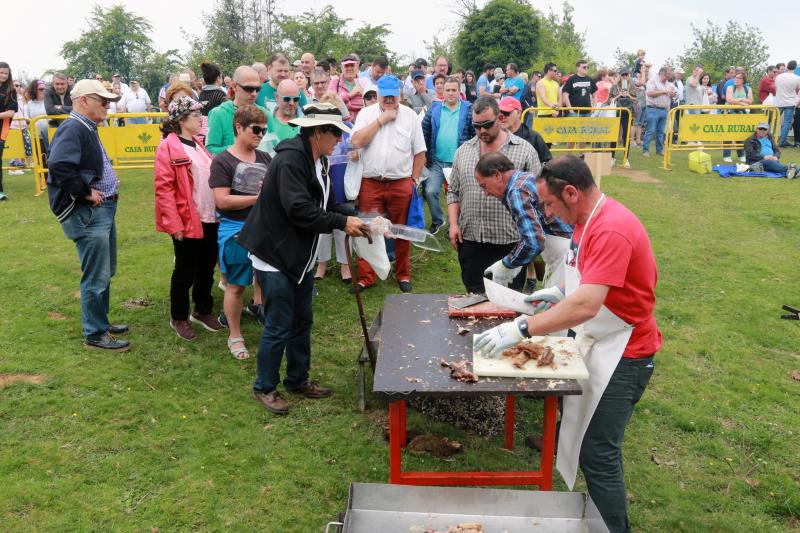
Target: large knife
pixel 467 301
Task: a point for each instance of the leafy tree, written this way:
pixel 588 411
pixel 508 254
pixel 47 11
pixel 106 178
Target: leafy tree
pixel 504 31
pixel 560 42
pixel 439 47
pixel 117 42
pixel 717 48
pixel 624 59
pixel 155 71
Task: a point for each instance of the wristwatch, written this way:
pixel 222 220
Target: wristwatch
pixel 522 324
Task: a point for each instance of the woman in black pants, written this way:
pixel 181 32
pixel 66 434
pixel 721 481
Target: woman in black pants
pixel 8 108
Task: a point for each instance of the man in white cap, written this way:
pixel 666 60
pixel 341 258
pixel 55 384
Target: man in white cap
pixel 83 192
pixel 282 235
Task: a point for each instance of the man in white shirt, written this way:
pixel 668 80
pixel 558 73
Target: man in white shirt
pixel 393 155
pixel 787 87
pixel 124 87
pixel 136 100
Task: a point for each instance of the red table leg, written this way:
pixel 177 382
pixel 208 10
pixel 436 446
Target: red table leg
pixel 396 428
pixel 548 441
pixel 403 425
pixel 509 442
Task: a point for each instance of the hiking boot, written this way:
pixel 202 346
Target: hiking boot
pixel 312 389
pixel 434 228
pixel 757 168
pixel 791 172
pixel 183 328
pixel 272 401
pixel 108 342
pixel 208 321
pixel 405 285
pixel 256 310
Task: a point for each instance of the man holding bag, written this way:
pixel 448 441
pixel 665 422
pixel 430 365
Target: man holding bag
pixel 608 299
pixel 392 154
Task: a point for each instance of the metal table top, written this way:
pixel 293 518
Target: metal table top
pixel 417 334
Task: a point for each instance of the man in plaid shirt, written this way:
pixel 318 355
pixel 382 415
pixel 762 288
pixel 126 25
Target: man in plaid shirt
pixel 481 229
pixel 497 177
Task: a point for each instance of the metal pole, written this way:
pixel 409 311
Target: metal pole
pixel 372 358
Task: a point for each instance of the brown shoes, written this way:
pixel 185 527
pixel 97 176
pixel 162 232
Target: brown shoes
pixel 272 401
pixel 210 322
pixel 312 389
pixel 183 329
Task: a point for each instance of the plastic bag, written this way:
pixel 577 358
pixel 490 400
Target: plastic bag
pixel 352 179
pixel 416 211
pixel 374 254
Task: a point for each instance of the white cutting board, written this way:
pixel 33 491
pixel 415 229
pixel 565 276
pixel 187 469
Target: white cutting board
pixel 568 360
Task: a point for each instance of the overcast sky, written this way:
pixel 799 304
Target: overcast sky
pixel 31 43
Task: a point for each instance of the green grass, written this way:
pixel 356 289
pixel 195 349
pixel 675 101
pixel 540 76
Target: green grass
pixel 168 437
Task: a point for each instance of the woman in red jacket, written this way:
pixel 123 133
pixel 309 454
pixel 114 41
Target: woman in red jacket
pixel 185 210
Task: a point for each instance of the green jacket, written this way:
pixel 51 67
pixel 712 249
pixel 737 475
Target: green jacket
pixel 220 127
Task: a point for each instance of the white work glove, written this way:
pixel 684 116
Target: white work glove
pixel 497 339
pixel 545 298
pixel 502 274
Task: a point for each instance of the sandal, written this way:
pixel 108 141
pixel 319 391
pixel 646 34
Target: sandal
pixel 238 353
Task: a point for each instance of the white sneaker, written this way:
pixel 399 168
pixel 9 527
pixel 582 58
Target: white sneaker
pixel 742 159
pixel 727 159
pixel 791 173
pixel 15 172
pixel 627 164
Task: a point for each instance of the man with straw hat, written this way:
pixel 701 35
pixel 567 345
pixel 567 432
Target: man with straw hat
pixel 281 233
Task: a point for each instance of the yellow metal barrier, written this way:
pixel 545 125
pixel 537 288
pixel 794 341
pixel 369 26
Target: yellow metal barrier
pixel 129 147
pixel 583 129
pixel 722 127
pixel 15 145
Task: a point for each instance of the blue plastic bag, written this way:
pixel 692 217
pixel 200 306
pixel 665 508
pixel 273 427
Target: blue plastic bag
pixel 416 211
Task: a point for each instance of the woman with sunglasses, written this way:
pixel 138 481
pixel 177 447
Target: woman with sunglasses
pixel 282 235
pixel 185 210
pixel 236 177
pixel 8 108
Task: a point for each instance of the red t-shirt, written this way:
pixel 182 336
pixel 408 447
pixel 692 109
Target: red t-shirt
pixel 616 252
pixel 765 87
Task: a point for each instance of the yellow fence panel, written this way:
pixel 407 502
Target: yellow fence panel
pixel 14 147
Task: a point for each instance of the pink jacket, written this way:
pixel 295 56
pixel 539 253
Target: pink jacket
pixel 175 209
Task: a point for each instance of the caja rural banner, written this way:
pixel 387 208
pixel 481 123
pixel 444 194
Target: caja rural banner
pixel 719 127
pixel 134 142
pixel 577 129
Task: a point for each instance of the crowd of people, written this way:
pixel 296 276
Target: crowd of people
pixel 250 180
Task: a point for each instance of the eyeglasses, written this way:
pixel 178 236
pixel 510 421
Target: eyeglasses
pixel 103 101
pixel 257 130
pixel 288 99
pixel 485 125
pixel 333 130
pixel 250 88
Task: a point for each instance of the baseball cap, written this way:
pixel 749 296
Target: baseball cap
pixel 763 126
pixel 388 86
pixel 679 70
pixel 499 74
pixel 417 74
pixel 350 59
pixel 420 62
pixel 88 86
pixel 623 72
pixel 509 103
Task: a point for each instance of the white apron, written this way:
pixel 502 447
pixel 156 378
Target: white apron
pixel 601 341
pixel 554 257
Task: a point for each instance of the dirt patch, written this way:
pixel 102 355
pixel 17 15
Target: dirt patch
pixel 637 176
pixel 55 315
pixel 34 379
pixel 135 303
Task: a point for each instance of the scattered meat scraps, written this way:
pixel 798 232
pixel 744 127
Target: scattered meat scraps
pixel 466 527
pixel 523 352
pixel 459 371
pixel 434 445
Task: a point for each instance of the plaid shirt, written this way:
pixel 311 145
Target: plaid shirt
pixel 484 218
pixel 522 200
pixel 108 182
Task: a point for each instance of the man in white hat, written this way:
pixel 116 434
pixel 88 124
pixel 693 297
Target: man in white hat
pixel 282 235
pixel 83 192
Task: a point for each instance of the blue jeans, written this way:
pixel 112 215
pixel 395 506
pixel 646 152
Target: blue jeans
pixel 770 165
pixel 95 235
pixel 601 450
pixel 787 116
pixel 287 326
pixel 432 186
pixel 656 124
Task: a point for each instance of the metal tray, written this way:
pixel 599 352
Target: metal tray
pixel 408 509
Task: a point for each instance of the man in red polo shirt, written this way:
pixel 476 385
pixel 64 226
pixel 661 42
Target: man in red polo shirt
pixel 766 86
pixel 610 296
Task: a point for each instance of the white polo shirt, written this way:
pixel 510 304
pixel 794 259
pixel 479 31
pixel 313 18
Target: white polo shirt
pixel 391 152
pixel 135 102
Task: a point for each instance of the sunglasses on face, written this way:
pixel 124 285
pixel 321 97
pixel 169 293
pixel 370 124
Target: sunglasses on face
pixel 103 101
pixel 485 125
pixel 250 88
pixel 333 130
pixel 257 130
pixel 288 99
pixel 505 113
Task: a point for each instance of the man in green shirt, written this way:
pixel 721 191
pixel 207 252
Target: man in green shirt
pixel 288 97
pixel 220 119
pixel 278 71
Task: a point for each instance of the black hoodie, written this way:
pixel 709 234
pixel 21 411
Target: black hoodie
pixel 285 223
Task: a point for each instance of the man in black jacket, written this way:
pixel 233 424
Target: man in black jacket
pixel 510 118
pixel 58 98
pixel 83 192
pixel 282 235
pixel 763 154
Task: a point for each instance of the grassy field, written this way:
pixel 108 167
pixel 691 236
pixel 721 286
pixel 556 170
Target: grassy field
pixel 167 437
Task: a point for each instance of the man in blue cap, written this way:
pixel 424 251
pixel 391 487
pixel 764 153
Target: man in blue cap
pixel 393 154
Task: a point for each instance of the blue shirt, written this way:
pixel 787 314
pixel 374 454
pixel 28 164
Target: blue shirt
pixel 766 147
pixel 517 82
pixel 107 183
pixel 532 224
pixel 483 81
pixel 447 136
